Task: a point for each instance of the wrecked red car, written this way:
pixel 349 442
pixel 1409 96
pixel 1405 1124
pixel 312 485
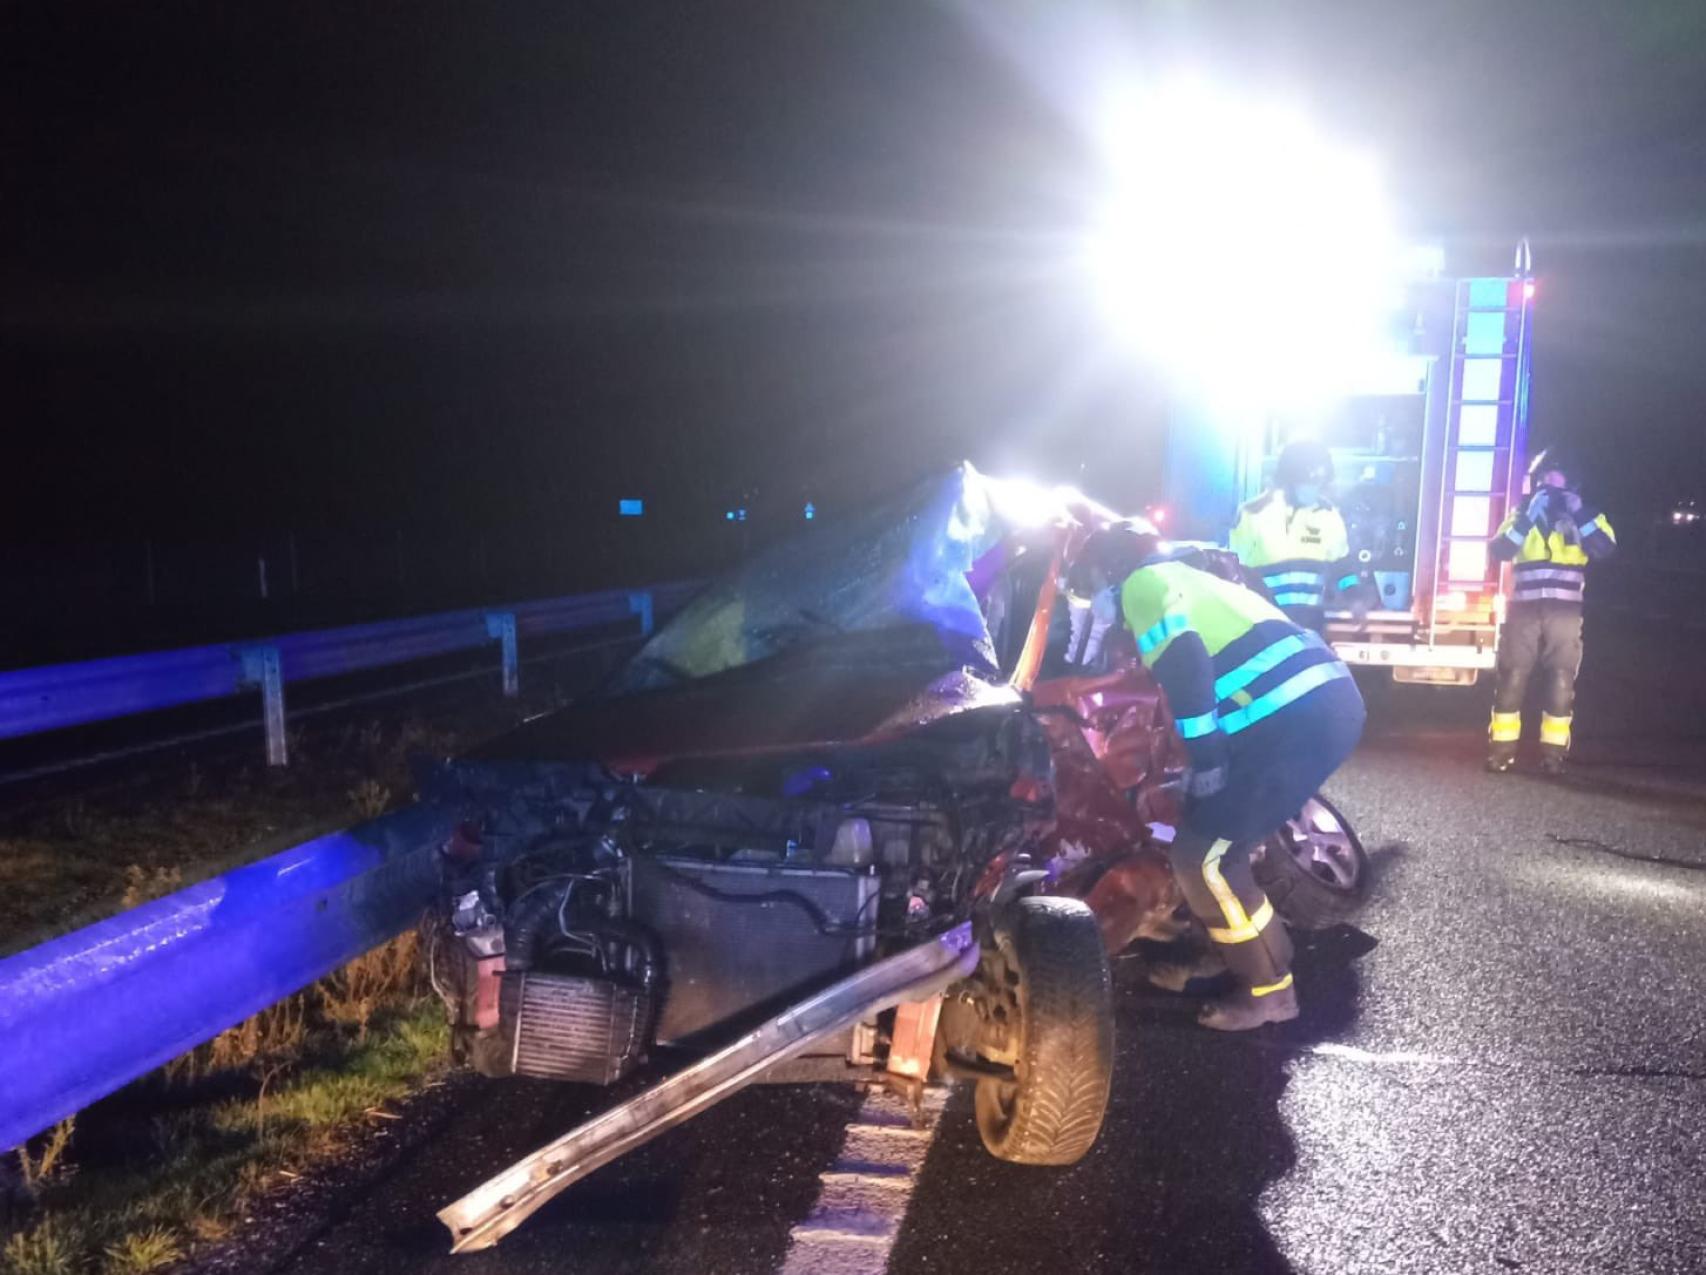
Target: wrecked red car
pixel 851 813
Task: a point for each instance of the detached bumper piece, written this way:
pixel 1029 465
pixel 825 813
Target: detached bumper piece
pixel 494 1209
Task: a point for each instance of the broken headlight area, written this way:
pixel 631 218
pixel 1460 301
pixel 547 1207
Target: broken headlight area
pixel 588 922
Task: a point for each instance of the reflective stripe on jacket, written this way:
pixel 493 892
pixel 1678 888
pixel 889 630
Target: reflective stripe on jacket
pixel 1550 564
pixel 1301 554
pixel 1226 658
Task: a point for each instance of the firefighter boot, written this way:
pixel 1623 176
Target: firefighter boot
pixel 1250 1008
pixel 1554 743
pixel 1265 993
pixel 1502 737
pixel 1177 975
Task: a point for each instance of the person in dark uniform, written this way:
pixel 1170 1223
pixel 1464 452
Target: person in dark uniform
pixel 1551 540
pixel 1266 712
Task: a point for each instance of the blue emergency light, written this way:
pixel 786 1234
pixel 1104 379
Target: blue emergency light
pixel 630 508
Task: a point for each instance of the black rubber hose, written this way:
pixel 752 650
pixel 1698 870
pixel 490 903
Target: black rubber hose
pixel 525 922
pixel 633 935
pixel 821 920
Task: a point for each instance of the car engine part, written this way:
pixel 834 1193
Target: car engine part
pixel 566 1027
pixel 745 935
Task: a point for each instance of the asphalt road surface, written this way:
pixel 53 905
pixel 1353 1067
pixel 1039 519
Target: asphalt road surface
pixel 1502 1068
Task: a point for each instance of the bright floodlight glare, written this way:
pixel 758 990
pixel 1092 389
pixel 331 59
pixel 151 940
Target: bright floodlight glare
pixel 1022 502
pixel 1253 259
pixel 1025 503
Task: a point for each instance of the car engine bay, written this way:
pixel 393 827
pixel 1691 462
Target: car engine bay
pixel 589 919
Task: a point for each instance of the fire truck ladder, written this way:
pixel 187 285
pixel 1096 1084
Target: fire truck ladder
pixel 1486 432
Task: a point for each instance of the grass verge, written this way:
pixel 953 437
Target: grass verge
pixel 180 1158
pixel 70 860
pixel 176 1161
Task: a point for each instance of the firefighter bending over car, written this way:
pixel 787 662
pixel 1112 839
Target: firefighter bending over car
pixel 1551 540
pixel 1266 711
pixel 1293 538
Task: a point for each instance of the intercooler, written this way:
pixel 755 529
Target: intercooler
pixel 742 938
pixel 562 1027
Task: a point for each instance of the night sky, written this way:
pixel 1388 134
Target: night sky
pixel 370 266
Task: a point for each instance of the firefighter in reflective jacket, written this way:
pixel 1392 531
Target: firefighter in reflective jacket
pixel 1294 539
pixel 1266 711
pixel 1551 540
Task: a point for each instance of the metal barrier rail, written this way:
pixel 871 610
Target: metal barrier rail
pixel 55 696
pixel 85 1014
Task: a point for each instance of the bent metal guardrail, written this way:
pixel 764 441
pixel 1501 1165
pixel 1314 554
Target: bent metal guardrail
pixel 52 697
pixel 85 1014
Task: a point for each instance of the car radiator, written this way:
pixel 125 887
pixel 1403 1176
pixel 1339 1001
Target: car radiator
pixel 742 939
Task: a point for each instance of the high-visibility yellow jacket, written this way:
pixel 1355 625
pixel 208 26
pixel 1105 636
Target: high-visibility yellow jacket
pixel 1552 552
pixel 1226 657
pixel 1301 553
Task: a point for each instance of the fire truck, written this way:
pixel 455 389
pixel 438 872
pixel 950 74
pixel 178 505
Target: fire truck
pixel 1430 454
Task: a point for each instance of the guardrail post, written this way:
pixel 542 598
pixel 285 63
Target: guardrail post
pixel 640 604
pixel 262 668
pixel 501 625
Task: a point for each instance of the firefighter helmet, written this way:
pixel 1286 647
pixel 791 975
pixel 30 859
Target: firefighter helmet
pixel 1117 551
pixel 1304 462
pixel 1553 460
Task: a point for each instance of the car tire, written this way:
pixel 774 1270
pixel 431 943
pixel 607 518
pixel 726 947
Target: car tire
pixel 1058 971
pixel 1313 868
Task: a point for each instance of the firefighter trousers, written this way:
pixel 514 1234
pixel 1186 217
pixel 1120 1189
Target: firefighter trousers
pixel 1222 893
pixel 1543 636
pixel 1274 767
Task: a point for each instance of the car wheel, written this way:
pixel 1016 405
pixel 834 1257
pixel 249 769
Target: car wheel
pixel 1313 868
pixel 1053 972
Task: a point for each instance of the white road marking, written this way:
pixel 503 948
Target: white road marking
pixel 1351 1053
pixel 862 1197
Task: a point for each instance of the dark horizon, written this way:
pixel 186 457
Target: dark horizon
pixel 270 270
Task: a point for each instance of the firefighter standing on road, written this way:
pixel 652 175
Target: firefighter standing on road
pixel 1294 538
pixel 1551 540
pixel 1266 711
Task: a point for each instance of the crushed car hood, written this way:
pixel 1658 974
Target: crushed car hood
pixel 850 632
pixel 876 687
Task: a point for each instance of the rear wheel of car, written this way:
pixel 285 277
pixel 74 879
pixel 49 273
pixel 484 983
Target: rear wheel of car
pixel 1055 975
pixel 1313 868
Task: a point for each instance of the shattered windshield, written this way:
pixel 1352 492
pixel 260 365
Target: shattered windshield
pixel 903 562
